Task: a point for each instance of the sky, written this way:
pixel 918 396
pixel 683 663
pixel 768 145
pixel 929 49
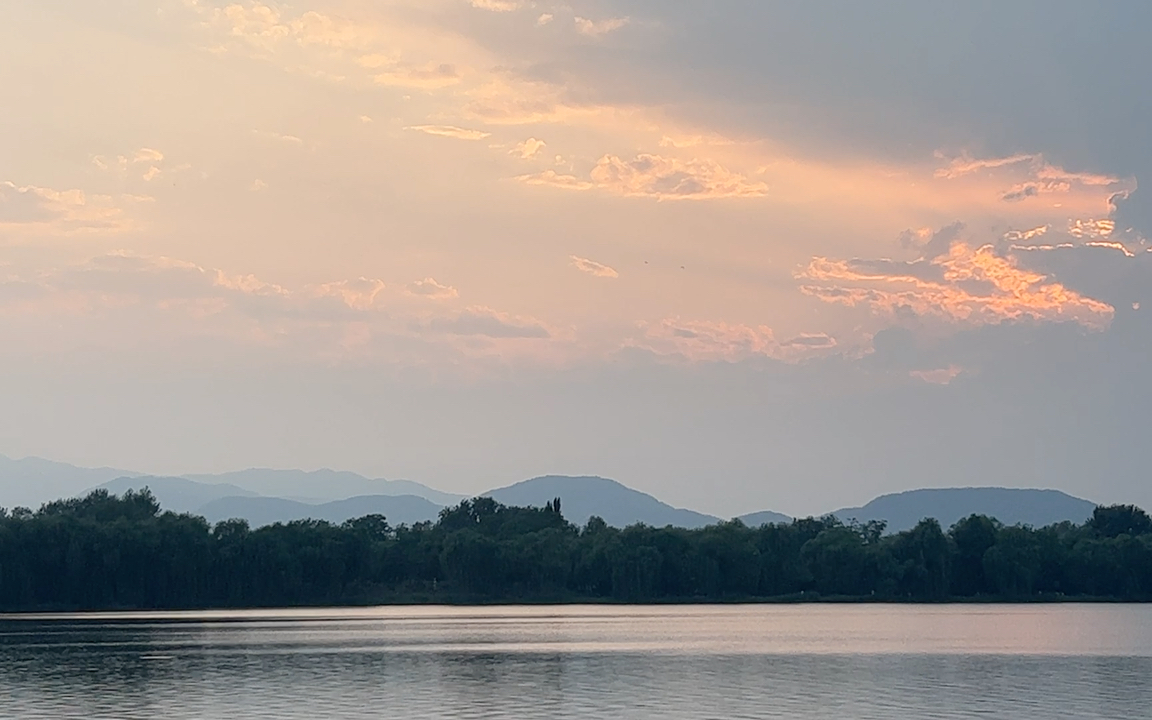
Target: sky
pixel 741 255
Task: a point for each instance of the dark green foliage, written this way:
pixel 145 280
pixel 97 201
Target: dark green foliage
pixel 1120 520
pixel 105 552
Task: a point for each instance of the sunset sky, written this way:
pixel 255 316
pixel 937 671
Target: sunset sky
pixel 742 255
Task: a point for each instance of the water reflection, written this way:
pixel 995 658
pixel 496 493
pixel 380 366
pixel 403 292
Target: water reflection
pixel 754 662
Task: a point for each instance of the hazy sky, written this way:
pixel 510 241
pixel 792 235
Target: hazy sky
pixel 740 254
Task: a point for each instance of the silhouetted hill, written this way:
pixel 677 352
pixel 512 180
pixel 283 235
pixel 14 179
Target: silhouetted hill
pixel 583 497
pixel 175 493
pixel 259 511
pixel 321 486
pixel 766 517
pixel 32 481
pixel 1010 506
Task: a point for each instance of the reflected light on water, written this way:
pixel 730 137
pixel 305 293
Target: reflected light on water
pixel 858 661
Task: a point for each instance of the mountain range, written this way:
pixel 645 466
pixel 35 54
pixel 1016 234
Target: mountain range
pixel 264 496
pixel 1012 506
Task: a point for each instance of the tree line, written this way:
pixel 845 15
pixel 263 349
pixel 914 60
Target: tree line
pixel 106 552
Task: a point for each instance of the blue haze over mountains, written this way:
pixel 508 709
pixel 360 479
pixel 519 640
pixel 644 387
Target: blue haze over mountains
pixel 264 496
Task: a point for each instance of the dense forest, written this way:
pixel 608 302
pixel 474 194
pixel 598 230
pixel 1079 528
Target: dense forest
pixel 107 552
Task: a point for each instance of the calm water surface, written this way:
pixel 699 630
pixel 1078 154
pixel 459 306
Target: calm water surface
pixel 907 662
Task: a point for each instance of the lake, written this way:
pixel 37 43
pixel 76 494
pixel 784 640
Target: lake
pixel 518 663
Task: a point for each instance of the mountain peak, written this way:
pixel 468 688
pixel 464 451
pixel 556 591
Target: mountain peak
pixel 1025 506
pixel 587 495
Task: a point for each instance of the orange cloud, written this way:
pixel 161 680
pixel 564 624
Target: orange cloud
pixel 657 177
pixel 970 285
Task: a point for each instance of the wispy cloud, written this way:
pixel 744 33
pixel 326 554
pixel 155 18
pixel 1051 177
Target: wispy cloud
pixel 281 137
pixel 501 6
pixel 1031 176
pixel 965 164
pixel 939 376
pixel 658 177
pixel 450 131
pixel 429 77
pixel 592 267
pixel 151 159
pixel 486 322
pixel 125 299
pixel 597 28
pixel 551 178
pixel 718 341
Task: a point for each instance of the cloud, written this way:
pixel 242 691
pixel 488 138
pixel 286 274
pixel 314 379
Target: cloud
pixel 264 27
pixel 592 267
pixel 429 288
pixel 969 285
pixel 450 131
pixel 359 294
pixel 485 322
pixel 509 99
pixel 1031 177
pixel 148 155
pixel 20 205
pixel 814 341
pixel 428 77
pixel 385 46
pixel 1114 272
pixel 127 302
pixel 501 6
pixel 152 158
pixel 529 149
pixel 597 28
pixel 551 178
pixel 291 139
pixel 939 376
pixel 965 164
pixel 704 341
pixel 1090 228
pixel 671 179
pixel 657 177
pixel 31 211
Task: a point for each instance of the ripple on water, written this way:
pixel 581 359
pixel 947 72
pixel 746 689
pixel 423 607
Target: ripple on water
pixel 523 664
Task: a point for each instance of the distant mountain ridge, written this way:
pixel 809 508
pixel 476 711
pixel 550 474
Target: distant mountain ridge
pixel 263 496
pixel 260 511
pixel 1011 506
pixel 615 503
pixel 320 486
pixel 32 481
pixel 175 493
pixel 764 517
